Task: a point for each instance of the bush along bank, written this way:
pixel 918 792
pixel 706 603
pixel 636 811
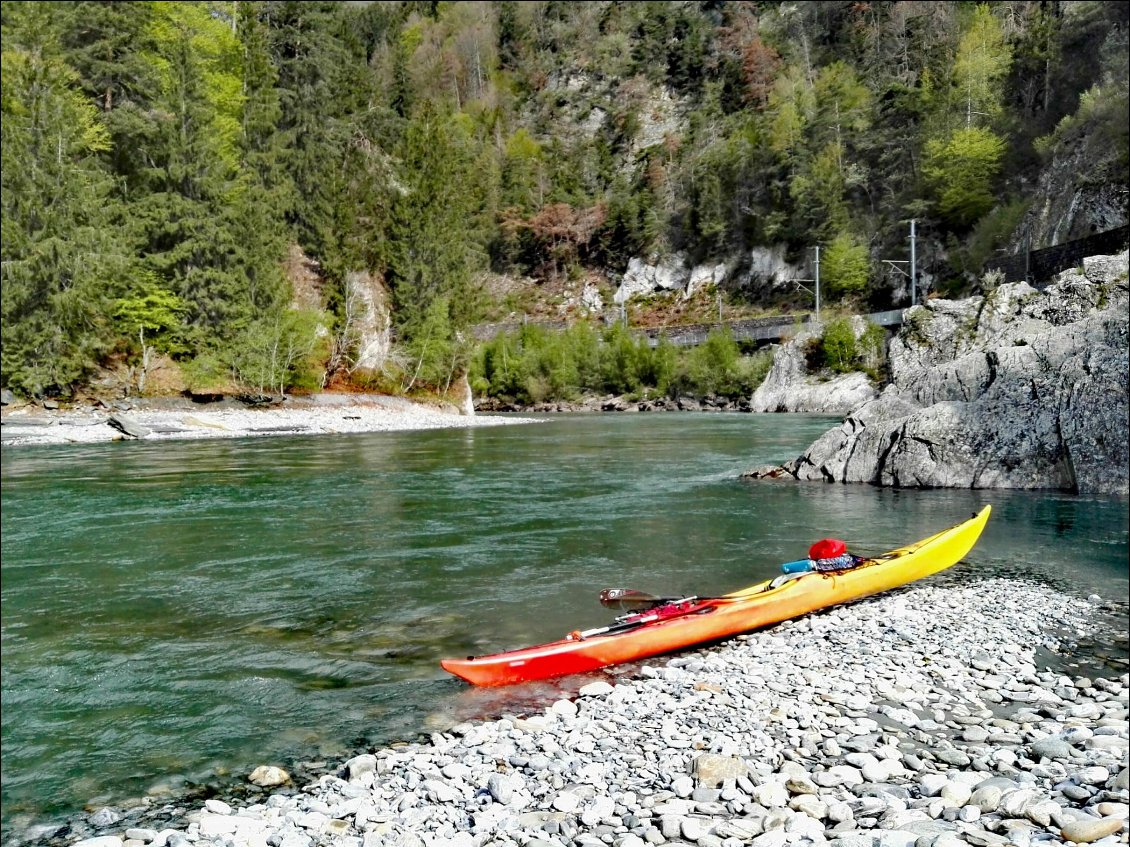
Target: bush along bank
pixel 582 368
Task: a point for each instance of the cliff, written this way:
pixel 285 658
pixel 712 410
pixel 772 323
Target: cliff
pixel 1015 389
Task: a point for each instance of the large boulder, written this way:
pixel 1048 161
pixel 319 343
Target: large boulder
pixel 788 387
pixel 1016 389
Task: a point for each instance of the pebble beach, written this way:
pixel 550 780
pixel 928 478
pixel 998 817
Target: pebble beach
pixel 924 717
pixel 171 418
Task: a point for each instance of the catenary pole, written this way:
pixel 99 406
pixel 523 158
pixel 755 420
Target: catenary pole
pixel 818 283
pixel 913 267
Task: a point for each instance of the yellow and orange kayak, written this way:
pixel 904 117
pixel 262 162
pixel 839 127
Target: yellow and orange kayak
pixel 693 621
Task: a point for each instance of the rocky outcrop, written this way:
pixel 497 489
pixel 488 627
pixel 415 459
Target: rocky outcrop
pixel 763 271
pixel 368 319
pixel 788 387
pixel 642 279
pixel 1016 389
pixel 1081 191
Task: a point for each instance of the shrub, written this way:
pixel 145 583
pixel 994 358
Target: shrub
pixel 838 340
pixel 846 267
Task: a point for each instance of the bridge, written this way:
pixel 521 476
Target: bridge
pixel 755 330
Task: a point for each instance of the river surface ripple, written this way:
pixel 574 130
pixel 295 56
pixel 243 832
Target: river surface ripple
pixel 177 611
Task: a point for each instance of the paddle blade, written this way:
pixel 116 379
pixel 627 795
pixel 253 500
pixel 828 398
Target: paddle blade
pixel 628 599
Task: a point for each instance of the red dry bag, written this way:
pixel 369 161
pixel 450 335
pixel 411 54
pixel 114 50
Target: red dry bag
pixel 826 548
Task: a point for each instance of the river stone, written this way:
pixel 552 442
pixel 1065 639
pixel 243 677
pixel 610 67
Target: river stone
pixel 931 784
pixel 500 789
pixel 855 838
pixel 100 841
pixel 1085 831
pixel 771 838
pixel 956 794
pixel 800 785
pixel 268 776
pixel 810 805
pixel 1054 747
pixel 683 786
pixel 1094 775
pixel 599 688
pixel 358 765
pixel 127 426
pixel 335 827
pixel 712 770
pixel 566 802
pixel 771 795
pixel 105 817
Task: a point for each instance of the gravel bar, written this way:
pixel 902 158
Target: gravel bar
pixel 918 718
pixel 320 414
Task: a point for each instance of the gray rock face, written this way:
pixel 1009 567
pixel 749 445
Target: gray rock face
pixel 1017 389
pixel 789 388
pixel 642 279
pixel 1081 191
pixel 369 319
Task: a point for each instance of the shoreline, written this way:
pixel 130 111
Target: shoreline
pixel 167 419
pixel 916 718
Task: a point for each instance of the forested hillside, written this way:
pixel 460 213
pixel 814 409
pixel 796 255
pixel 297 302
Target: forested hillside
pixel 164 162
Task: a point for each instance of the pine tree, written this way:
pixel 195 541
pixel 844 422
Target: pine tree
pixel 432 249
pixel 61 254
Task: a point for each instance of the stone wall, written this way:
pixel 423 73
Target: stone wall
pixel 1046 263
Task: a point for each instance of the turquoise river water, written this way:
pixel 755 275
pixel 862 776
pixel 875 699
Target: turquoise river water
pixel 178 611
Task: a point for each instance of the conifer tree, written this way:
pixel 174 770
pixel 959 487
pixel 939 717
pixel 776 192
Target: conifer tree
pixel 62 256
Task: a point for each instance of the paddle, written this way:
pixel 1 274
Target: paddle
pixel 631 599
pixel 663 608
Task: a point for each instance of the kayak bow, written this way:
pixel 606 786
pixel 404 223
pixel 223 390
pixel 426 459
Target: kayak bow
pixel 711 619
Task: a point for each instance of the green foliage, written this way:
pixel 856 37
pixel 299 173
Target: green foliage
pixel 433 248
pixel 149 309
pixel 61 251
pixel 992 233
pixel 207 372
pixel 839 350
pixel 982 63
pixel 278 351
pixel 433 348
pixel 712 367
pixel 837 345
pixel 961 170
pixel 194 142
pixel 536 365
pixel 623 359
pixel 871 348
pixel 845 267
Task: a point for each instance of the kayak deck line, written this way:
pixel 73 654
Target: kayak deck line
pixel 655 632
